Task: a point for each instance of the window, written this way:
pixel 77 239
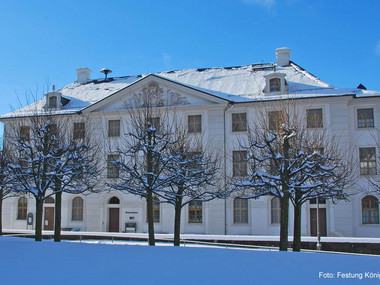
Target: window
pixel 239 163
pixel 320 201
pixel 156 210
pixel 114 200
pixel 112 168
pixel 370 210
pixel 114 128
pixel 194 124
pixel 314 118
pixel 154 122
pixel 195 212
pixel 367 161
pixel 275 119
pixel 49 200
pixel 275 210
pixel 54 130
pixel 79 131
pixel 77 209
pixel 239 122
pixel 25 133
pixel 22 206
pixel 52 102
pixel 240 211
pixel 365 118
pixel 275 85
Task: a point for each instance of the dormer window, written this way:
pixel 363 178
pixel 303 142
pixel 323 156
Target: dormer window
pixel 275 84
pixel 52 102
pixel 55 101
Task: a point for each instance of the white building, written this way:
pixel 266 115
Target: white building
pixel 217 99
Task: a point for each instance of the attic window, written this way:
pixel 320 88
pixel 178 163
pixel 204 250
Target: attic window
pixel 275 85
pixel 52 102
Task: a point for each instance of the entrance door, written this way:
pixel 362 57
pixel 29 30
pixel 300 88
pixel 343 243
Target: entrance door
pixel 49 218
pixel 113 222
pixel 322 222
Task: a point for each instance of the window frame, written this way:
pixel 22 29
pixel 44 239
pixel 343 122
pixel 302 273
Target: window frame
pixel 239 122
pixel 53 102
pixel 275 211
pixel 156 210
pixel 275 125
pixel 366 125
pixel 79 133
pixel 312 122
pixel 113 171
pixel 240 211
pixel 22 208
pixel 77 209
pixel 24 132
pixel 195 213
pixel 277 84
pixel 373 210
pixel 239 166
pixel 367 170
pixel 194 126
pixel 114 128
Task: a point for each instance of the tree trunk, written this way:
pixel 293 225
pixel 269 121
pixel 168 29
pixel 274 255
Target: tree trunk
pixel 177 222
pixel 39 209
pixel 297 228
pixel 149 204
pixel 284 222
pixel 58 216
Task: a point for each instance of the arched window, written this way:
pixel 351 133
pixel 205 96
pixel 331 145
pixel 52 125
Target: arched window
pixel 370 210
pixel 240 211
pixel 22 206
pixel 275 85
pixel 195 212
pixel 77 209
pixel 114 200
pixel 275 210
pixel 49 200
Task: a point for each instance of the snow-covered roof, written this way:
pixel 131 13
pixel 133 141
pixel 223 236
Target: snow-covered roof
pixel 234 84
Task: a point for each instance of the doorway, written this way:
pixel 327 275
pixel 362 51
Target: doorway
pixel 113 220
pixel 114 215
pixel 322 222
pixel 49 218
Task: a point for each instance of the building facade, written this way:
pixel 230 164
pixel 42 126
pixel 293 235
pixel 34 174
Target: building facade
pixel 217 104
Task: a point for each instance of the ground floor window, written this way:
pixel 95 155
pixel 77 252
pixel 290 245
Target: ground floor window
pixel 370 210
pixel 195 212
pixel 22 206
pixel 77 209
pixel 240 211
pixel 275 210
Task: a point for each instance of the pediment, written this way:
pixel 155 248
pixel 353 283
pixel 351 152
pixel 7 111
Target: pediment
pixel 154 92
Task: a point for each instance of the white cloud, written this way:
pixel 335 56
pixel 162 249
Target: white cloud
pixel 377 48
pixel 263 3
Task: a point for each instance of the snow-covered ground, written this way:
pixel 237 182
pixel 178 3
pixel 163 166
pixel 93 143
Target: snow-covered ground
pixel 24 261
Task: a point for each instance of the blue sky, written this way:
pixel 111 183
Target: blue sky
pixel 43 42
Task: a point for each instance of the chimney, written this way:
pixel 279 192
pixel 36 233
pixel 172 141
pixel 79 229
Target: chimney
pixel 283 56
pixel 83 74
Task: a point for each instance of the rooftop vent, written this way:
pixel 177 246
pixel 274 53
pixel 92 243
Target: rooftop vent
pixel 83 74
pixel 106 71
pixel 283 56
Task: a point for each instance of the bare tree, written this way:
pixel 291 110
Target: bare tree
pixel 141 161
pixel 7 188
pixel 193 176
pixel 287 163
pixel 48 163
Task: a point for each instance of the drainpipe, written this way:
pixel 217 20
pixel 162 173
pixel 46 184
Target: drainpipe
pixel 227 108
